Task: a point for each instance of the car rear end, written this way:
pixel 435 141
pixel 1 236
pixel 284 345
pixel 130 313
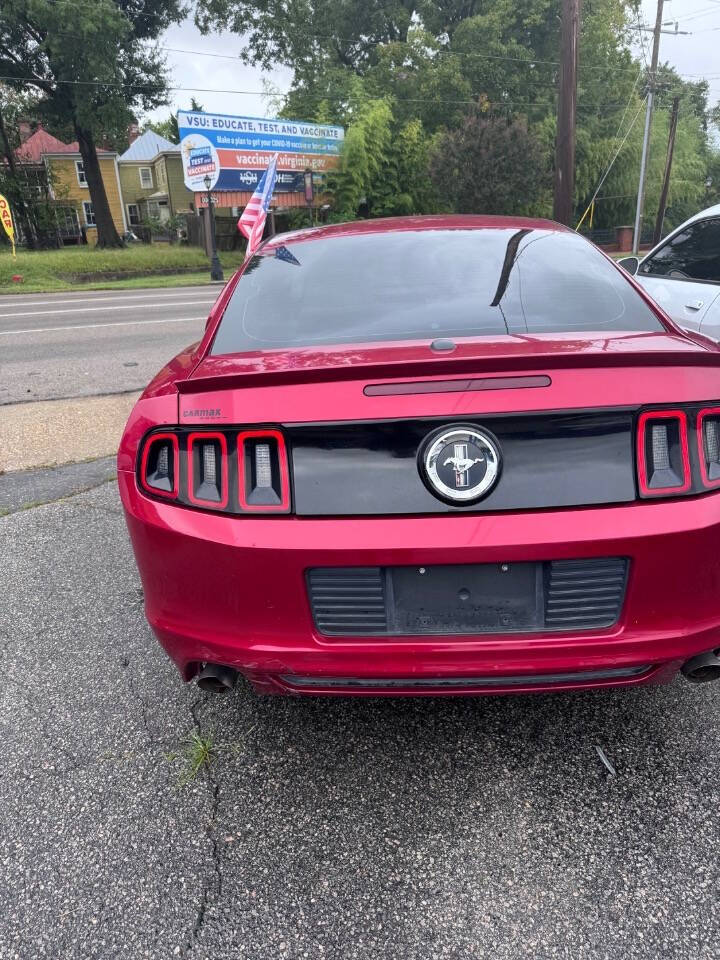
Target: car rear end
pixel 287 525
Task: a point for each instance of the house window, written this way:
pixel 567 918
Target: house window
pixel 89 213
pixel 153 209
pixel 133 214
pixel 80 172
pixel 146 180
pixel 161 174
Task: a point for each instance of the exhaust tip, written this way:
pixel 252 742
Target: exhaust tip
pixel 215 678
pixel 703 668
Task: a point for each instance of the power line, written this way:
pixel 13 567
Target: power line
pixel 496 104
pixel 610 165
pixel 529 61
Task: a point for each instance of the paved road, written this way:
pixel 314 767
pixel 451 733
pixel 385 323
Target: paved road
pixel 105 341
pixel 373 829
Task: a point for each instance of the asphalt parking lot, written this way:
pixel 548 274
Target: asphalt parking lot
pixel 423 828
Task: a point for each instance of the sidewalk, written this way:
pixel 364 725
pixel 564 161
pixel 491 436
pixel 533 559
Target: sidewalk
pixel 48 432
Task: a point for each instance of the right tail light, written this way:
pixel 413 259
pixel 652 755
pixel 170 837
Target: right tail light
pixel 678 451
pixel 708 434
pixel 663 454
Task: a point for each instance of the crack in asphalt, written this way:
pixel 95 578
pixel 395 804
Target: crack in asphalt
pixel 216 879
pixel 153 740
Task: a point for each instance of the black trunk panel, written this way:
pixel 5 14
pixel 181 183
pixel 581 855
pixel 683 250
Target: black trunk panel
pixel 549 460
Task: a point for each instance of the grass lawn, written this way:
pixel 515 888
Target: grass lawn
pixel 83 268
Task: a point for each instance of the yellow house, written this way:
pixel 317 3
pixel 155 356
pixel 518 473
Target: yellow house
pixel 66 176
pixel 151 178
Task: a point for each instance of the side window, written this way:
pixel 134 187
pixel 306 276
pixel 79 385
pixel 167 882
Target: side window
pixel 693 254
pixel 80 173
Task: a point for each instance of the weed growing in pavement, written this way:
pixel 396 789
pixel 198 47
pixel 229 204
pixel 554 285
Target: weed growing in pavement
pixel 198 753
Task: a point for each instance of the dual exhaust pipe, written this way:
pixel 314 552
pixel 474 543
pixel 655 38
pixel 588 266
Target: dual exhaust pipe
pixel 703 668
pixel 216 678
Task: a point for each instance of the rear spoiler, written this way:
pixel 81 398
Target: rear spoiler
pixel 435 366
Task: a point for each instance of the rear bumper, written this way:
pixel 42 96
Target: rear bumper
pixel 232 590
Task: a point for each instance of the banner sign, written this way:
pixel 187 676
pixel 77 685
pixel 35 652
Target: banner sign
pixel 240 148
pixel 7 221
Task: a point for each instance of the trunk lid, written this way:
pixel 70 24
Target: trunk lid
pixel 488 375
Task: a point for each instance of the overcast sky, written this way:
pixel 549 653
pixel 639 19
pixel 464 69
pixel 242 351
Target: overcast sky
pixel 694 55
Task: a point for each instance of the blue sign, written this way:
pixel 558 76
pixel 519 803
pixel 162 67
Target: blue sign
pixel 242 147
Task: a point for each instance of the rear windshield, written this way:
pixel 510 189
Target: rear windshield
pixel 425 284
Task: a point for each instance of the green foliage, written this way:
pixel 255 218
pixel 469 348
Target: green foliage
pixel 366 152
pixel 438 66
pixel 198 754
pixel 67 269
pixel 403 186
pixel 168 128
pixel 90 65
pixel 491 165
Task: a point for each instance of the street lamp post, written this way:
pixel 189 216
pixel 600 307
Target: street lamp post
pixel 215 268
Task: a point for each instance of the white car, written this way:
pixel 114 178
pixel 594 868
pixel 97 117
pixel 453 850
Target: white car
pixel 682 273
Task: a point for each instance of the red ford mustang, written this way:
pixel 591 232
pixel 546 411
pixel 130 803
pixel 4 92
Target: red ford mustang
pixel 431 455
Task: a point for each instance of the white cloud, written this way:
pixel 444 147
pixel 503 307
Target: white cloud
pixel 693 55
pixel 197 74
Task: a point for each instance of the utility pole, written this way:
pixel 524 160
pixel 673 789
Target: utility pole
pixel 648 122
pixel 668 167
pixel 567 102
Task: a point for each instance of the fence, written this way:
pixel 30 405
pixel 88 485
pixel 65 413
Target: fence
pixel 227 235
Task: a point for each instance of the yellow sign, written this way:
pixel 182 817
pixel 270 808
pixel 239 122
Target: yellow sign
pixel 7 221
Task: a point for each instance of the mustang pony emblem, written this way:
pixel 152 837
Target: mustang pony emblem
pixel 462 463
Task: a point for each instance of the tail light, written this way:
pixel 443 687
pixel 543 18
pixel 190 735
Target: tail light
pixel 207 469
pixel 159 468
pixel 663 454
pixel 264 484
pixel 230 471
pixel 708 434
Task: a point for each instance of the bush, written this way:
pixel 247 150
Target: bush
pixel 491 166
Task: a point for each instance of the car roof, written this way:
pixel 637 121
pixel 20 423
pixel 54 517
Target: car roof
pixel 395 224
pixel 713 211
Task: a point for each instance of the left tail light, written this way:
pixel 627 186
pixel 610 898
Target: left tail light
pixel 159 465
pixel 230 471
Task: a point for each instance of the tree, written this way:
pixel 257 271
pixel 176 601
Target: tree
pixel 441 61
pixel 91 62
pixel 310 34
pixel 12 183
pixel 365 152
pixel 490 165
pixel 169 128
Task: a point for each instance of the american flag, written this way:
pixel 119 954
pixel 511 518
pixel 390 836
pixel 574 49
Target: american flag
pixel 252 220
